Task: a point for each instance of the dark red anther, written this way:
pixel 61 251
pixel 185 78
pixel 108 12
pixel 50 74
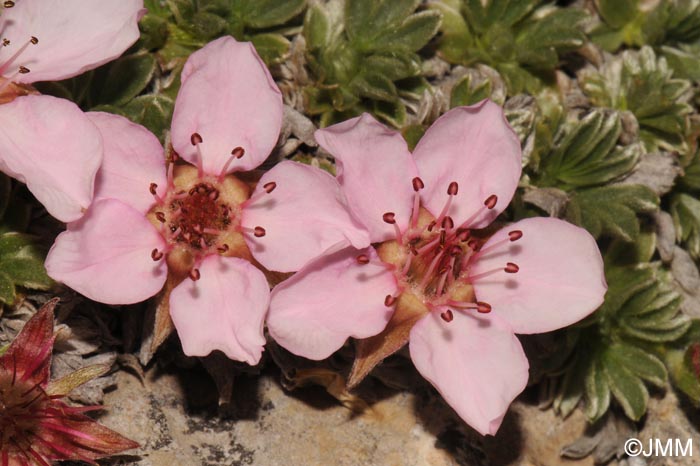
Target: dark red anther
pixel 447 316
pixel 269 187
pixel 192 191
pixel 389 218
pixel 5 42
pixel 8 4
pixel 389 300
pixel 152 188
pixel 443 237
pixel 511 268
pixel 259 232
pixel 448 223
pixel 23 70
pixel 156 255
pixel 515 235
pixel 482 307
pixel 34 40
pixel 195 275
pixel 431 225
pixel 453 188
pixel 362 259
pixel 418 184
pixel 160 216
pixel 238 152
pixel 214 195
pixel 195 139
pixel 412 248
pixel 223 248
pixel 463 235
pixel 491 201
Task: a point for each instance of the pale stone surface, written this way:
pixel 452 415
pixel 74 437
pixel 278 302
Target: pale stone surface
pixel 172 417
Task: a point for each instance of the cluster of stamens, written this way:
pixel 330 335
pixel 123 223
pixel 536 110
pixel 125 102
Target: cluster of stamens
pixel 204 218
pixel 433 258
pixel 6 64
pixel 21 406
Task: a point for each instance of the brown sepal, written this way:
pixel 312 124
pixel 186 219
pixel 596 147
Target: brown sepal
pixel 371 351
pixel 158 325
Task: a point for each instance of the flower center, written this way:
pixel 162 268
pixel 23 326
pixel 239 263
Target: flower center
pixel 200 215
pixel 433 258
pixel 21 406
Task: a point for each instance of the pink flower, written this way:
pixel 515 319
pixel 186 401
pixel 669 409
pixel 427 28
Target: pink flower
pixel 201 227
pixel 44 141
pixel 432 277
pixel 36 427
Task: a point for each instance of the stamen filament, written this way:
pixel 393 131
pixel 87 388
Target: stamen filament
pixel 9 61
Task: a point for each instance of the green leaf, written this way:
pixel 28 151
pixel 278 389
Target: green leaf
pixel 206 26
pixel 617 13
pixel 628 390
pixel 28 272
pixel 467 93
pixel 271 47
pixel 7 289
pixel 412 35
pixel 364 19
pixel 317 27
pixel 128 76
pixel 641 363
pixel 393 113
pixel 587 154
pixel 642 83
pixel 152 111
pixel 261 14
pixel 597 392
pixel 611 210
pixel 375 86
pixel 685 210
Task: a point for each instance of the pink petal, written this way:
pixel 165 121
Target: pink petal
pixel 133 159
pixel 224 310
pixel 475 147
pixel 476 363
pixel 560 280
pixel 375 170
pixel 303 217
pixel 106 256
pixel 50 145
pixel 74 35
pixel 229 98
pixel 329 300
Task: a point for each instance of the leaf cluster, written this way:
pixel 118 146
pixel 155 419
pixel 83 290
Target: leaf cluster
pixel 363 55
pixel 617 352
pixel 642 83
pixel 672 27
pixel 21 260
pixel 522 39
